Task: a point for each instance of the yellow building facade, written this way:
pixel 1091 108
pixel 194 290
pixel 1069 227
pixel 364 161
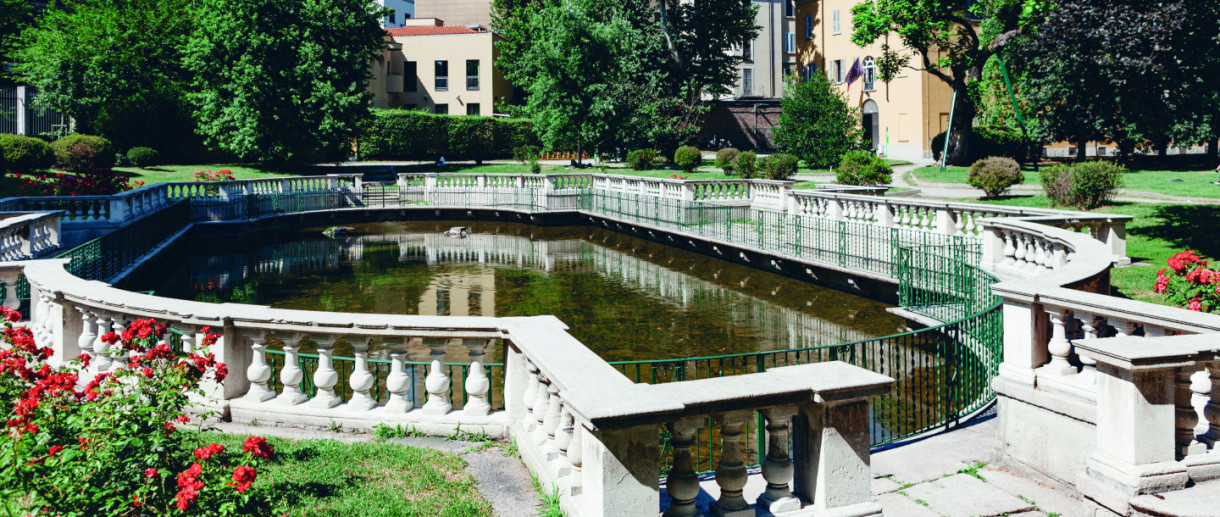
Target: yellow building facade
pixel 440 69
pixel 899 118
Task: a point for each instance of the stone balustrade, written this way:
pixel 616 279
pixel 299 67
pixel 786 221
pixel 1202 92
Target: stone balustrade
pixel 579 423
pixel 28 235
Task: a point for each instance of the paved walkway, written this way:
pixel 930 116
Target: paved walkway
pixel 953 474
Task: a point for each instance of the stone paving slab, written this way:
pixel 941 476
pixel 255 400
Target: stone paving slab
pixel 504 481
pixel 1201 500
pixel 1047 498
pixel 939 455
pixel 900 505
pixel 963 495
pixel 883 485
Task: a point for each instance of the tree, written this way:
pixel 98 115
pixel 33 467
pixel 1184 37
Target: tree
pixel 627 75
pixel 283 80
pixel 112 66
pixel 948 43
pixel 817 125
pixel 1114 70
pixel 15 17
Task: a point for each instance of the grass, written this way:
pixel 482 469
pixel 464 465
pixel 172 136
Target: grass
pixel 1169 182
pixel 809 170
pixel 548 501
pixel 325 477
pixel 1158 231
pixel 973 470
pixel 181 173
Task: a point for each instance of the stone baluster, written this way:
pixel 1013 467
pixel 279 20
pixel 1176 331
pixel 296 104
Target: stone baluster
pixel 731 471
pixel 563 441
pixel 437 383
pixel 101 350
pixel 926 219
pixel 325 377
pixel 1060 256
pixel 361 380
pixel 530 396
pixel 291 374
pixel 188 338
pixel 1185 417
pixel 259 372
pixel 118 323
pixel 971 228
pixel 959 225
pixel 1059 347
pixel 1020 252
pixel 477 383
pixel 398 383
pixel 39 318
pixel 1201 389
pixel 1010 250
pixel 542 403
pixel 88 334
pixel 10 290
pixel 683 482
pixel 1089 370
pixel 777 468
pixel 1031 253
pixel 1211 412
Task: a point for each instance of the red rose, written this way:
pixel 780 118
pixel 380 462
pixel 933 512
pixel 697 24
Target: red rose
pixel 258 446
pixel 204 453
pixel 54 450
pixel 150 472
pixel 243 476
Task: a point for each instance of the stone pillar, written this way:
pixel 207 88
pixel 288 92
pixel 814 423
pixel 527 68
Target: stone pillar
pixel 832 458
pixel 325 378
pixel 944 221
pixel 1114 234
pixel 1022 353
pixel 231 350
pixel 1058 347
pixel 1212 410
pixel 1136 417
pixel 1185 417
pixel 10 277
pixel 516 377
pixel 619 472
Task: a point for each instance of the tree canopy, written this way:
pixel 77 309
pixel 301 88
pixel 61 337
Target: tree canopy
pixel 113 66
pixel 817 125
pixel 614 73
pixel 282 80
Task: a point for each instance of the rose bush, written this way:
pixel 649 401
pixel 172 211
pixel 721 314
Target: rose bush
pixel 220 175
pixel 111 445
pixel 93 182
pixel 1188 283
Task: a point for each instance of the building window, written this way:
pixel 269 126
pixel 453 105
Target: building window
pixel 410 77
pixel 789 42
pixel 442 75
pixel 870 74
pixel 747 81
pixel 391 18
pixel 472 108
pixel 441 109
pixel 837 71
pixel 808 26
pixel 789 69
pixel 834 22
pixel 790 8
pixel 472 74
pixel 747 51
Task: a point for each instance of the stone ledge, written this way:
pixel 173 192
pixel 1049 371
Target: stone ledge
pixel 303 416
pixel 1062 403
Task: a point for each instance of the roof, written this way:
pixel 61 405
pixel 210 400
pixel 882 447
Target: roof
pixel 431 31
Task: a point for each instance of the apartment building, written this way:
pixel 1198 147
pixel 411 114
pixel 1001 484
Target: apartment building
pixel 439 68
pixel 399 12
pixel 771 54
pixel 456 12
pixel 899 118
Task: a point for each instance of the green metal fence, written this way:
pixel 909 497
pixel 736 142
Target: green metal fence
pixel 106 256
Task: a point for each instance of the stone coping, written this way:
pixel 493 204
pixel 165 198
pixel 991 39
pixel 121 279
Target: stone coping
pixel 1143 353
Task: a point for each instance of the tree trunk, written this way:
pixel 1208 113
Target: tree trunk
pixel 1080 150
pixel 1211 151
pixel 961 128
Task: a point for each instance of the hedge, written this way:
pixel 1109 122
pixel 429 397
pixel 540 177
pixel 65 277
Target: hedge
pixel 395 134
pixel 24 154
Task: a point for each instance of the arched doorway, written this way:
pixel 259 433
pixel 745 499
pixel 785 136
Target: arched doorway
pixel 869 120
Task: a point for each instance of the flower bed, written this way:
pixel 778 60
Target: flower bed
pixel 112 445
pixel 1189 283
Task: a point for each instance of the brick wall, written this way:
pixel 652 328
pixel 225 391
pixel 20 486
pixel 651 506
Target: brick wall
pixel 735 121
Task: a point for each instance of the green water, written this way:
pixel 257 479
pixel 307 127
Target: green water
pixel 625 298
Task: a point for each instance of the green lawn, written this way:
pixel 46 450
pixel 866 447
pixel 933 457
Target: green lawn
pixel 180 173
pixel 326 477
pixel 1158 231
pixel 1175 183
pixel 808 170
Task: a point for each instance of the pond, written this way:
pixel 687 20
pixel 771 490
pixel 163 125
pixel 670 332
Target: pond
pixel 625 298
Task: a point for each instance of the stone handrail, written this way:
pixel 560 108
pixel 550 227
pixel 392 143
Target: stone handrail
pixel 28 235
pixel 579 423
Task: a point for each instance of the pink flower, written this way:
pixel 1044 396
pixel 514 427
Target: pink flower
pixel 1195 305
pixel 150 472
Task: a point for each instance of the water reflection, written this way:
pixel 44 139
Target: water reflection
pixel 625 298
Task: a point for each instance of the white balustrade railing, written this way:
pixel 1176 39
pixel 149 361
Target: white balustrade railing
pixel 28 235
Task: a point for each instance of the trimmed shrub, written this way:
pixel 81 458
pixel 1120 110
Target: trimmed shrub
pixel 1084 185
pixel 817 124
pixel 862 168
pixel 745 164
pixel 526 153
pixel 778 166
pixel 642 159
pixel 995 175
pixel 396 134
pixel 688 158
pixel 24 154
pixel 725 159
pixel 143 157
pixel 91 152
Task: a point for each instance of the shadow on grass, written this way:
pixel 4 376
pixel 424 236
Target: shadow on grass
pixel 1186 227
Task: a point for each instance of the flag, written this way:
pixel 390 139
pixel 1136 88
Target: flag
pixel 853 73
